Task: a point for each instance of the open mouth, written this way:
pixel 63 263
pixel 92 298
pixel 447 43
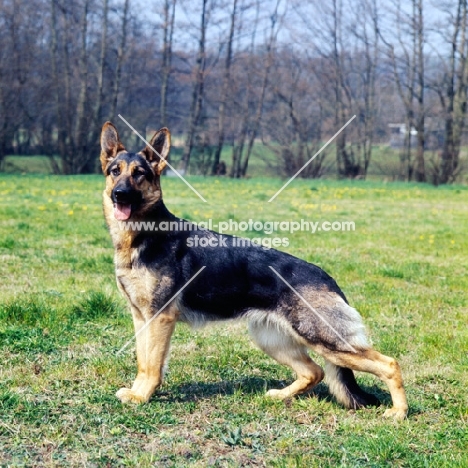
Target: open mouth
pixel 122 211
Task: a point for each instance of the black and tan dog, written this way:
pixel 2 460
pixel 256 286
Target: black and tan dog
pixel 285 320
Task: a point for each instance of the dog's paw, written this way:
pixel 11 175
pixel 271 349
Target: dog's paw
pixel 278 394
pixel 125 395
pixel 396 413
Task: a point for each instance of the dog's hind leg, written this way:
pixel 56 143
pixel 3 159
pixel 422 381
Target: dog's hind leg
pixel 153 337
pixel 384 367
pixel 281 345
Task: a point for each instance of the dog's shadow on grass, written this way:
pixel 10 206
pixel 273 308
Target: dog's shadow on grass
pixel 195 391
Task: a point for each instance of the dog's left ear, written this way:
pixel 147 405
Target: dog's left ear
pixel 110 144
pixel 161 142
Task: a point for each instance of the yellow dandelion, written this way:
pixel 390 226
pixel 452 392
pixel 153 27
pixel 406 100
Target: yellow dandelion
pixel 70 212
pixel 421 237
pixel 42 208
pixel 452 241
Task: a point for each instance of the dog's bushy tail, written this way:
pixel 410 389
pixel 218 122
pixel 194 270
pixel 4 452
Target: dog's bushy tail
pixel 343 386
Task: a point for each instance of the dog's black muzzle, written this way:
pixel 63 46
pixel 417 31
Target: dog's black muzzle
pixel 125 195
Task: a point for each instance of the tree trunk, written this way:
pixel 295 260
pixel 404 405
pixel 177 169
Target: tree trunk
pixel 88 164
pixel 81 139
pixel 59 111
pixel 3 127
pixel 197 93
pixel 118 66
pixel 238 147
pixel 456 98
pixel 372 59
pixel 168 30
pixel 420 172
pixel 102 62
pixel 412 88
pixel 224 92
pixel 241 170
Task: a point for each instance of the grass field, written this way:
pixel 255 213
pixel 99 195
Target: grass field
pixel 62 322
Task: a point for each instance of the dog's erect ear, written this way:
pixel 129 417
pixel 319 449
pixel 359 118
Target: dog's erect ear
pixel 161 142
pixel 110 144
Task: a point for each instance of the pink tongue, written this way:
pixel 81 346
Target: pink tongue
pixel 122 211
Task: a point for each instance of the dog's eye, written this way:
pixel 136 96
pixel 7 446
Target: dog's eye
pixel 139 173
pixel 115 172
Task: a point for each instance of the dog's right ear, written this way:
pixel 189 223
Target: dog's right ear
pixel 110 144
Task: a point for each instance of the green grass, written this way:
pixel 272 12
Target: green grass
pixel 62 322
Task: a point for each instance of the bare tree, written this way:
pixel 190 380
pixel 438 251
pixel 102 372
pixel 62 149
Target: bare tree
pixel 327 29
pixel 72 133
pixel 270 50
pixel 251 128
pixel 451 86
pixel 168 33
pixel 197 91
pixel 243 89
pixel 224 91
pixel 364 64
pixel 102 63
pixel 59 104
pixel 344 155
pixel 79 159
pixel 79 115
pixel 420 171
pixel 17 48
pixel 119 61
pixel 298 117
pixel 409 76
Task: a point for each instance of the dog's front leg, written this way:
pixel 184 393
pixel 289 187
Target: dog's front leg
pixel 153 336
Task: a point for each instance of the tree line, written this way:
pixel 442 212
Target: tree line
pixel 235 73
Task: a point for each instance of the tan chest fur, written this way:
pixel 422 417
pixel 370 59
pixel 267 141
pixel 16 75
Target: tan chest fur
pixel 137 284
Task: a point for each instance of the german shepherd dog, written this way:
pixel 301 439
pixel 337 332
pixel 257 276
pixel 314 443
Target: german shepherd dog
pixel 307 311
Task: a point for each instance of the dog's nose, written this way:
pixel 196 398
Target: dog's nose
pixel 121 195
